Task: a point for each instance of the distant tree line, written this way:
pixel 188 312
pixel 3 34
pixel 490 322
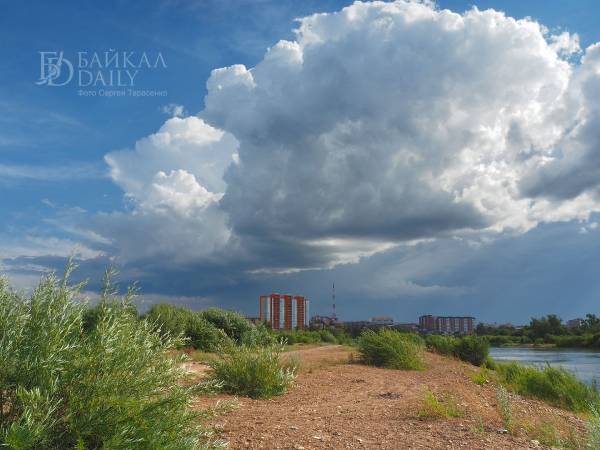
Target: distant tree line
pixel 548 330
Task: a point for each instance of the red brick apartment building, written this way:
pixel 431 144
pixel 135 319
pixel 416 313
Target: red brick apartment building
pixel 285 312
pixel 446 324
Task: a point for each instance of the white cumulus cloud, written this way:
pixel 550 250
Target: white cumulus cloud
pixel 380 124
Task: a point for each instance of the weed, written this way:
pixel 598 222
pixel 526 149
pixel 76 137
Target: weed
pixel 593 426
pixel 503 399
pixel 481 377
pixel 480 427
pixel 255 372
pixel 432 407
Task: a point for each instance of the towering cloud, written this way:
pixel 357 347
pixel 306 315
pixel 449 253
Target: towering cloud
pixel 381 124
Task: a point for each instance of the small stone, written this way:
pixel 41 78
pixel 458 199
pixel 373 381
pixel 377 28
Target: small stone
pixel 319 438
pixel 535 442
pixel 293 427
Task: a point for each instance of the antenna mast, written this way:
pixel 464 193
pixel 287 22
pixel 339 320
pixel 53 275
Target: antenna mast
pixel 333 301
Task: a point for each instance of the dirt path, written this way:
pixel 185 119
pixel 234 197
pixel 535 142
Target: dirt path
pixel 335 405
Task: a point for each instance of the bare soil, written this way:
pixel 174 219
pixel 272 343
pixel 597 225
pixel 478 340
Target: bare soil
pixel 339 405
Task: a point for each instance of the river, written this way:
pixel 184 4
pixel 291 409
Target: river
pixel 585 364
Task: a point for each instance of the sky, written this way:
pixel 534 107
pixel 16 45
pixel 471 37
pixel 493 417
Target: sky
pixel 428 158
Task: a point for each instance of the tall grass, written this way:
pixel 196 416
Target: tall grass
pixel 432 407
pixel 392 349
pixel 554 385
pixel 113 387
pixel 503 399
pixel 593 427
pixel 257 372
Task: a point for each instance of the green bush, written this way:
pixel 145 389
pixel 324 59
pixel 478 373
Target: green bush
pixel 329 336
pixel 255 372
pixel 258 336
pixel 556 386
pixel 203 335
pixel 114 387
pixel 473 349
pixel 176 322
pixel 444 345
pixel 389 348
pixel 233 324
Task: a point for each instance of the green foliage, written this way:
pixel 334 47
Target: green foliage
pixel 545 326
pixel 432 407
pixel 444 345
pixel 593 426
pixel 556 386
pixel 233 324
pixel 503 399
pixel 254 372
pixel 545 330
pixel 176 322
pixel 392 349
pixel 473 349
pixel 330 336
pixel 258 336
pixel 113 387
pixel 548 435
pixel 481 377
pixel 489 363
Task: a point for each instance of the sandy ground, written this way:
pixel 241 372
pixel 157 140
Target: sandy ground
pixel 337 405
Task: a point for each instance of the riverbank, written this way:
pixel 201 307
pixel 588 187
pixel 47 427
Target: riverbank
pixel 336 404
pixel 583 363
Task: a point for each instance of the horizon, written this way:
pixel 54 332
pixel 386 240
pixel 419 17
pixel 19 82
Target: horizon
pixel 426 158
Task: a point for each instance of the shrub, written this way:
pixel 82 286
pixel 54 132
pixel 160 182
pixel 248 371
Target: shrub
pixel 258 336
pixel 203 335
pixel 473 349
pixel 233 324
pixel 115 387
pixel 444 345
pixel 176 321
pixel 556 386
pixel 327 336
pixel 255 372
pixel 389 348
pixel 334 336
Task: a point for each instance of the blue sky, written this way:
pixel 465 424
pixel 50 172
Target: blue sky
pixel 58 191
